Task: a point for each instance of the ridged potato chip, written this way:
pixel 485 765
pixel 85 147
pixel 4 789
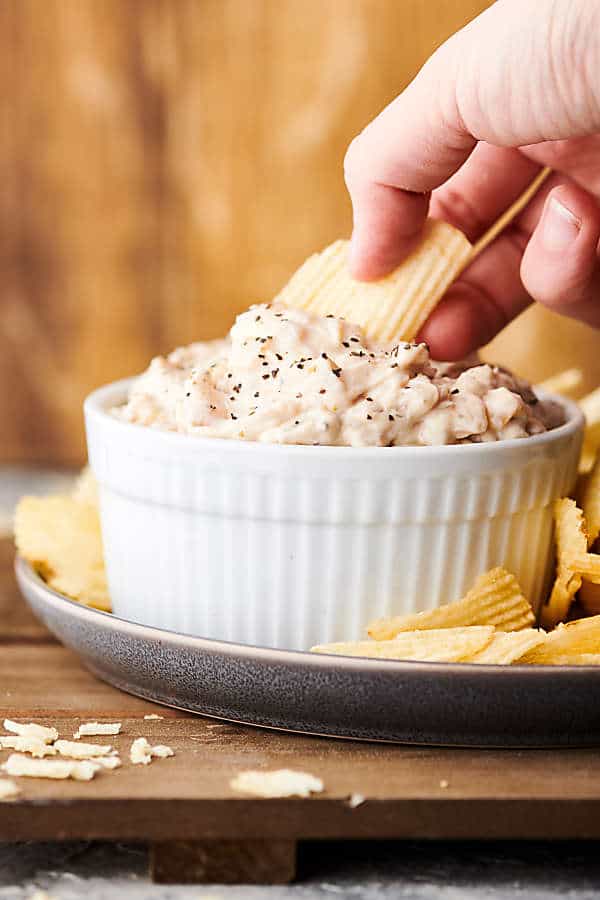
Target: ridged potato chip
pixel 393 308
pixel 436 645
pixel 495 599
pixel 590 503
pixel 589 597
pixel 587 565
pixel 507 647
pixel 572 639
pixel 60 537
pixel 571 542
pixel 588 456
pixel 576 659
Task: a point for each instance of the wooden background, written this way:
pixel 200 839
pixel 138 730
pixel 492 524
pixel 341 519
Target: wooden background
pixel 165 162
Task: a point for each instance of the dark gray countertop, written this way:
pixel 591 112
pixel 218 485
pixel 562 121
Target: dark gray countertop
pixel 378 871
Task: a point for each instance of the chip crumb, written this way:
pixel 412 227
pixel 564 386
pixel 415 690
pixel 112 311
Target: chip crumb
pixel 93 729
pixel 76 750
pixel 141 752
pixel 280 783
pixel 8 789
pixel 23 744
pixel 108 762
pixel 153 716
pixel 162 751
pixel 444 783
pixel 355 800
pixel 25 767
pixel 31 730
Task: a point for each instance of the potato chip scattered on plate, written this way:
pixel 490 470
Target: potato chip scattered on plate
pixel 571 542
pixel 507 647
pixel 495 599
pixel 60 537
pixel 393 308
pixel 589 597
pixel 434 645
pixel 590 503
pixel 572 639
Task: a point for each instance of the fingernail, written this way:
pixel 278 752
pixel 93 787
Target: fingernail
pixel 560 226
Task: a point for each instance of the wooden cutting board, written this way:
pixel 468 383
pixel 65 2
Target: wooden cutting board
pixel 202 831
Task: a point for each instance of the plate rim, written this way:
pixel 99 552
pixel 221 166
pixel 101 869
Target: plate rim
pixel 26 573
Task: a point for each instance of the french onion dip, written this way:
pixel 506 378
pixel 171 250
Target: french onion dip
pixel 286 376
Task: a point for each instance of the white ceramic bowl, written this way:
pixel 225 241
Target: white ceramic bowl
pixel 289 546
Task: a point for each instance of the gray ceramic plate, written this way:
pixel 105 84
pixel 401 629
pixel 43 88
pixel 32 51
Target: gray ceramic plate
pixel 381 700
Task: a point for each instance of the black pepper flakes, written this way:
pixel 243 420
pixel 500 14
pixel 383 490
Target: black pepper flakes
pixel 337 372
pixel 345 344
pixel 369 417
pixel 390 417
pixel 266 376
pixel 233 416
pixel 454 391
pixel 279 356
pixel 257 394
pixel 322 391
pixel 274 372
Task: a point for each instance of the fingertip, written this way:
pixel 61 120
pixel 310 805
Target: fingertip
pixel 387 226
pixel 463 321
pixel 370 260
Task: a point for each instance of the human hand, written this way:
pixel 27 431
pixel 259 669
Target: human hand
pixel 514 91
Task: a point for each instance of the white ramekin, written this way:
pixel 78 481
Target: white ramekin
pixel 289 546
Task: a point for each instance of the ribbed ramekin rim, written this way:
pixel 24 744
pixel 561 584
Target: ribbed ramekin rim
pixel 99 402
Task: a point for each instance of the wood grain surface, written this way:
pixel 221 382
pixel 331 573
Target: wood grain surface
pixel 166 162
pixel 409 792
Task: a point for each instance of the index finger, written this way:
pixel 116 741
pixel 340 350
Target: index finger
pixel 389 176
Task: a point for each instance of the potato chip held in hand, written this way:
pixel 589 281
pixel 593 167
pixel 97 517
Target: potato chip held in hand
pixel 393 308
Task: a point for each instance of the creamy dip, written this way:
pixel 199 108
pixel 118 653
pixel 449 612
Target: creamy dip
pixel 286 376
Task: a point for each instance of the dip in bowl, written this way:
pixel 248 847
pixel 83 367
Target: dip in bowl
pixel 293 534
